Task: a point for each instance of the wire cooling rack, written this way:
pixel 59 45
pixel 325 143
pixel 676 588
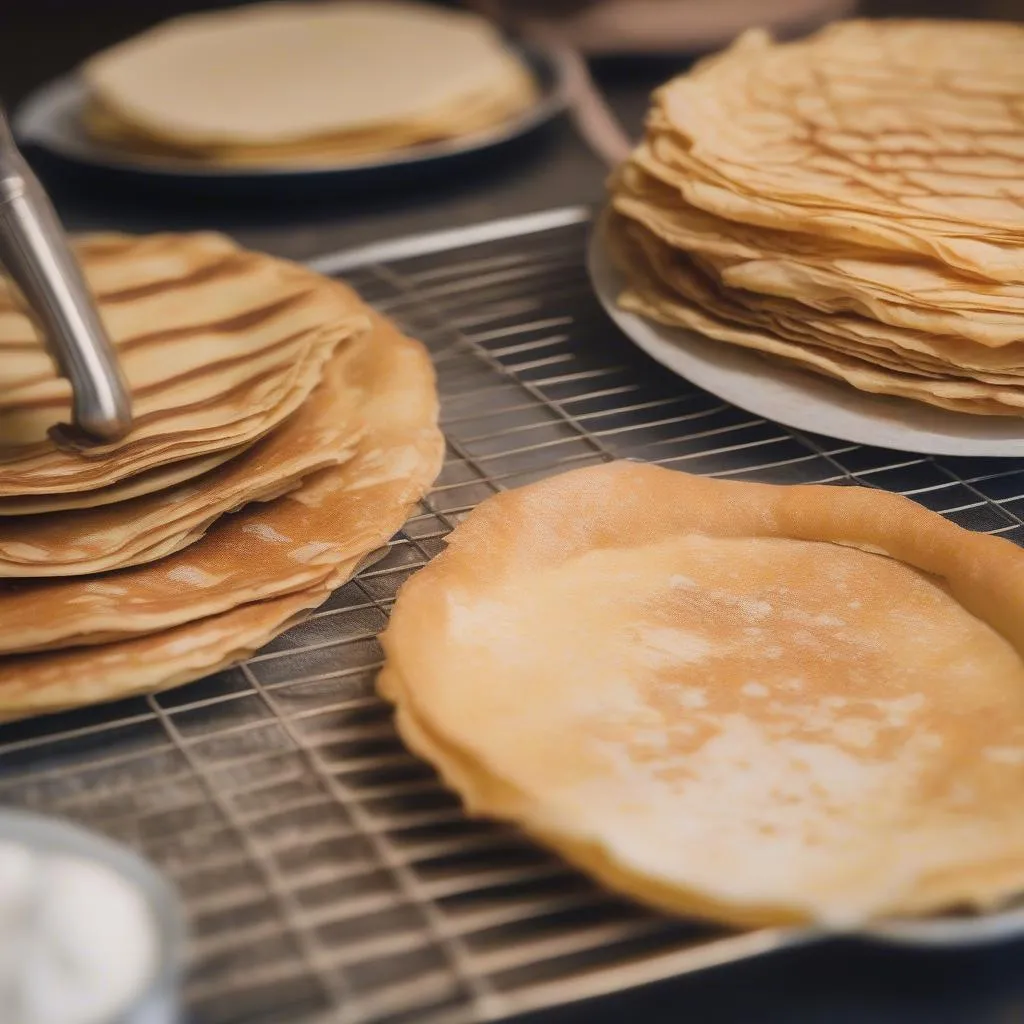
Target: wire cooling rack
pixel 326 875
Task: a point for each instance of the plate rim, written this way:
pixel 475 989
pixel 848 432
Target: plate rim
pixel 32 126
pixel 668 346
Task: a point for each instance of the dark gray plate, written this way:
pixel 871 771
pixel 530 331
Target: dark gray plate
pixel 50 120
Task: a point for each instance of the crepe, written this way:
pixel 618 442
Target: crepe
pixel 939 308
pixel 335 517
pixel 322 433
pixel 222 322
pixel 474 115
pixel 892 133
pixel 240 343
pixel 259 582
pixel 672 290
pixel 134 487
pixel 847 203
pixel 304 82
pixel 42 683
pixel 120 270
pixel 755 703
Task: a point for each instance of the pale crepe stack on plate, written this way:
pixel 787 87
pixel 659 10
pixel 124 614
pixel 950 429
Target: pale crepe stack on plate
pixel 283 432
pixel 304 83
pixel 850 203
pixel 760 704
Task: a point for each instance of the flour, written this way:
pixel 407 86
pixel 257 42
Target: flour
pixel 77 942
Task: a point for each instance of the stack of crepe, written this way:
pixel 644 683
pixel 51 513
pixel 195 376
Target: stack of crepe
pixel 282 433
pixel 304 83
pixel 850 203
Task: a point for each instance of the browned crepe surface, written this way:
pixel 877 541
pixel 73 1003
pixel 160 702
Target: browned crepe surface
pixel 323 432
pixel 240 343
pixel 226 595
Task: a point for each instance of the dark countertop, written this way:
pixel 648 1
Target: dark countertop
pixel 836 983
pixel 550 168
pixel 839 983
pixel 554 169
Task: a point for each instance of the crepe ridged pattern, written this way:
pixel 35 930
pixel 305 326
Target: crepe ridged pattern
pixel 850 203
pixel 132 566
pixel 304 84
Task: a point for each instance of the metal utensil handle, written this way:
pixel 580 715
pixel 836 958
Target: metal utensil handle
pixel 35 254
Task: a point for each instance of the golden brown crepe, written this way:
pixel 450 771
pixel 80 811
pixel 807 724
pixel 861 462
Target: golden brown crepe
pixel 218 345
pixel 385 382
pixel 323 433
pixel 36 684
pixel 849 203
pixel 756 703
pixel 187 615
pixel 158 479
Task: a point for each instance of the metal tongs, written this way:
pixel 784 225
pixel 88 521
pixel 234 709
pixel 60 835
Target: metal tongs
pixel 35 254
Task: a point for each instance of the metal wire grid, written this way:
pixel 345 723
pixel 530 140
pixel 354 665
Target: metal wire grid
pixel 326 875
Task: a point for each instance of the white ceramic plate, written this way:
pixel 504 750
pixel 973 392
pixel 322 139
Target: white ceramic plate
pixel 801 400
pixel 51 119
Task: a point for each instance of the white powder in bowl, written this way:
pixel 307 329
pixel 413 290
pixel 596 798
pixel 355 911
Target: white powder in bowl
pixel 77 941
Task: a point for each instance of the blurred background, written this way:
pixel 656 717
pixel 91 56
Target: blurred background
pixel 43 38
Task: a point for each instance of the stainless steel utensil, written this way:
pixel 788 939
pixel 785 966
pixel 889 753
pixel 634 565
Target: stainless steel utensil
pixel 36 256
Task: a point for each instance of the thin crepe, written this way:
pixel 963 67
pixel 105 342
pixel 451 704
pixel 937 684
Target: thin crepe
pixel 474 114
pixel 325 76
pixel 245 582
pixel 754 703
pixel 946 314
pixel 322 433
pixel 667 287
pixel 238 343
pixel 900 135
pixel 44 683
pixel 158 479
pixel 846 203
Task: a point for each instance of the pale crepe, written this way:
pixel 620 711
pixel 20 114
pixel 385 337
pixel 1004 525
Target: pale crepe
pixel 945 314
pixel 849 203
pixel 900 135
pixel 218 345
pixel 273 75
pixel 474 114
pixel 761 704
pixel 386 382
pixel 668 287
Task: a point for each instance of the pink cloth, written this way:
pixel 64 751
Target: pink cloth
pixel 665 26
pixel 572 28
